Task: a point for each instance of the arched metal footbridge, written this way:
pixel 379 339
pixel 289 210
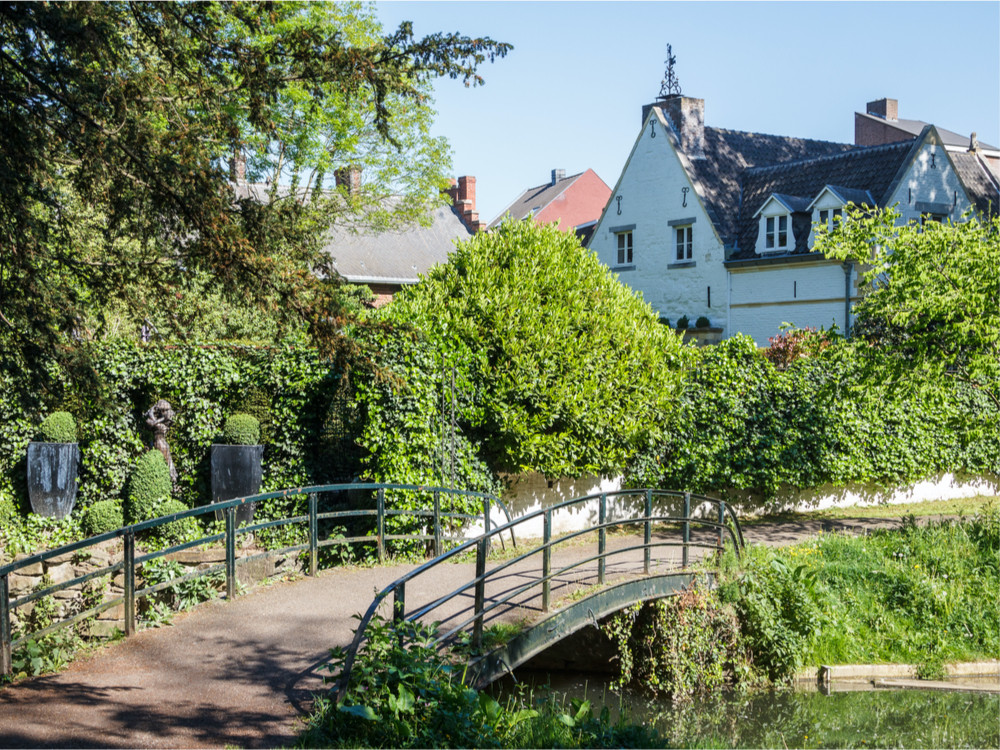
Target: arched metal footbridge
pixel 519 587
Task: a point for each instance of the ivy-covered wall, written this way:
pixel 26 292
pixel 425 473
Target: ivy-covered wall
pixel 819 419
pixel 297 398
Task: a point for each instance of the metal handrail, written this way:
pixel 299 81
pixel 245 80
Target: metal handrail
pixel 482 544
pixel 129 560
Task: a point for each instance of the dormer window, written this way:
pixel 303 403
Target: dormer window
pixel 776 234
pixel 778 217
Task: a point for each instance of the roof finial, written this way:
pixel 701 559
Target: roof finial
pixel 669 86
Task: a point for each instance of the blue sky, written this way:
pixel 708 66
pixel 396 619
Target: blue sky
pixel 570 94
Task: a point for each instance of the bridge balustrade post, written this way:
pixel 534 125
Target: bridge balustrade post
pixel 602 538
pixel 482 549
pixel 129 583
pixel 313 533
pixel 686 531
pixel 546 558
pixel 486 521
pixel 647 532
pixel 6 657
pixel 722 521
pixel 380 522
pixel 437 524
pixel 230 553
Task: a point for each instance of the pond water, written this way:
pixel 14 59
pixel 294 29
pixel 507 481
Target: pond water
pixel 803 718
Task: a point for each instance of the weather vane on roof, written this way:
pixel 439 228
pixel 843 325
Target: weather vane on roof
pixel 669 86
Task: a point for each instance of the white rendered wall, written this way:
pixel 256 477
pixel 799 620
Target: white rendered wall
pixel 926 184
pixel 651 190
pixel 530 492
pixel 762 298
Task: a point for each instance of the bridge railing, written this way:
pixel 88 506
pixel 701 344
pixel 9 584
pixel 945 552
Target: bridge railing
pixel 435 521
pixel 721 525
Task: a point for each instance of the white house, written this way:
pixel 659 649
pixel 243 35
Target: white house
pixel 717 224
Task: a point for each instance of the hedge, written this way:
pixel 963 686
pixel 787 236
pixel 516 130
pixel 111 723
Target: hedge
pixel 745 424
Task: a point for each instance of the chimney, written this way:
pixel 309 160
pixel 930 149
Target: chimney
pixel 463 197
pixel 238 168
pixel 887 109
pixel 349 178
pixel 973 143
pixel 687 118
pixel 558 174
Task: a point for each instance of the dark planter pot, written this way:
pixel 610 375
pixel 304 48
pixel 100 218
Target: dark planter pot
pixel 52 472
pixel 236 473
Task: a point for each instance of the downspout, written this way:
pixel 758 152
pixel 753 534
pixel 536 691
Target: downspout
pixel 847 266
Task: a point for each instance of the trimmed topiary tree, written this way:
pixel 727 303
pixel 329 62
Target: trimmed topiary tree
pixel 241 429
pixel 150 485
pixel 102 516
pixel 683 323
pixel 186 529
pixel 58 427
pixel 703 322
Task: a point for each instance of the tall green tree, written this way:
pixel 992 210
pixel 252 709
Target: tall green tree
pixel 930 295
pixel 121 121
pixel 564 369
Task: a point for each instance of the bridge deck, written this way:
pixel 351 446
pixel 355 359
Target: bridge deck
pixel 240 673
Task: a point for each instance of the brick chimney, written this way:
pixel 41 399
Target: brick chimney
pixel 687 118
pixel 348 177
pixel 887 109
pixel 238 168
pixel 463 198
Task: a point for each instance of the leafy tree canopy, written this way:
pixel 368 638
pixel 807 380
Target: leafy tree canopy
pixel 930 294
pixel 121 121
pixel 567 370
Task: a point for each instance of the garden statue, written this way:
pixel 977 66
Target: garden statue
pixel 159 417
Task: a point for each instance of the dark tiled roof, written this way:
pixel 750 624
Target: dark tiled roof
pixel 869 169
pixel 729 152
pixel 916 127
pixel 397 256
pixel 979 183
pixel 534 199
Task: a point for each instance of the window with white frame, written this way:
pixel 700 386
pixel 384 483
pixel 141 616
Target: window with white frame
pixel 828 217
pixel 624 248
pixel 685 244
pixel 776 232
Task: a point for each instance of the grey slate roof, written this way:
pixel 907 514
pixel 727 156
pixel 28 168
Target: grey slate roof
pixel 729 153
pixel 915 127
pixel 399 256
pixel 978 181
pixel 534 199
pixel 864 170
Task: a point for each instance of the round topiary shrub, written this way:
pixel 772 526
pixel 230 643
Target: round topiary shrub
pixel 58 427
pixel 665 322
pixel 104 515
pixel 703 322
pixel 175 532
pixel 683 323
pixel 241 429
pixel 150 485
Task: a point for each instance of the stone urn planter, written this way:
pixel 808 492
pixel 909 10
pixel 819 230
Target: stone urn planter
pixel 236 465
pixel 53 466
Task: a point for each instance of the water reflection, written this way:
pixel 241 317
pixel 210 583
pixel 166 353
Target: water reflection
pixel 802 718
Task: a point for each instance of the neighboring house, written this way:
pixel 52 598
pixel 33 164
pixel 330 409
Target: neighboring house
pixel 575 202
pixel 880 124
pixel 718 223
pixel 387 261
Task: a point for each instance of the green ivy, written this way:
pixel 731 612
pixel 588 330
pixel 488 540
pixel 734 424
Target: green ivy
pixel 744 424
